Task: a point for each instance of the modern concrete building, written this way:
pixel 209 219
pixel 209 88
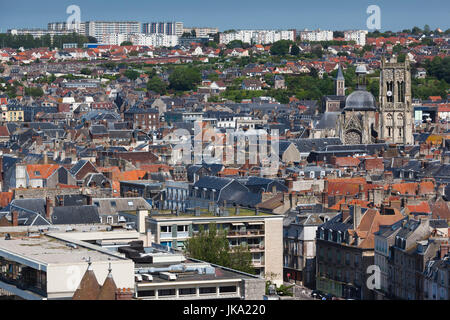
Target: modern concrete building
pixel 166 274
pixel 261 232
pixel 48 263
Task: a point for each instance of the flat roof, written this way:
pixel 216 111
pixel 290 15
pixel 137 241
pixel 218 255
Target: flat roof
pixel 48 250
pixel 204 213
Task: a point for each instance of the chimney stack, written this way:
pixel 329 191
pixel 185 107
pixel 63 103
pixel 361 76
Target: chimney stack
pixel 15 218
pixel 356 216
pixel 48 208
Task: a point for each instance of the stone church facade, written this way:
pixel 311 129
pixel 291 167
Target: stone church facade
pixel 358 120
pixel 363 122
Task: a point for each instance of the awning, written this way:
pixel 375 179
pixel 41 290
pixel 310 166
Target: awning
pixel 237 224
pixel 256 223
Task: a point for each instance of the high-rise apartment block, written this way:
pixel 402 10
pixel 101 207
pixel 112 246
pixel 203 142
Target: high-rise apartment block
pixel 168 28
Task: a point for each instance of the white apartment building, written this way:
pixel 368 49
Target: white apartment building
pixel 37 33
pixel 98 29
pixel 316 35
pixel 359 36
pixel 168 28
pixel 201 32
pixel 257 36
pixel 141 39
pixel 154 40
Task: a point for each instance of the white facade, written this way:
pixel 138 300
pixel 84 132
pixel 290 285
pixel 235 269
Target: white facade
pixel 316 35
pixel 257 36
pixel 359 36
pixel 98 29
pixel 141 39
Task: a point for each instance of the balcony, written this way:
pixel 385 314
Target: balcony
pixel 165 235
pixel 247 233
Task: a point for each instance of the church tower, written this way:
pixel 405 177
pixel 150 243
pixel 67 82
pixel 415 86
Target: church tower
pixel 340 83
pixel 396 111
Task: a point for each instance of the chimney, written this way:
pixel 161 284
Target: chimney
pixel 345 212
pixel 45 158
pixel 325 199
pixel 356 215
pixel 15 218
pixel 48 208
pixel 89 200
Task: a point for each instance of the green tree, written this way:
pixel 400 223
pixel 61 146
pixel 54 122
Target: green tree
pixel 185 78
pixel 132 74
pixel 295 50
pixel 126 43
pixel 281 47
pixel 212 246
pixel 86 71
pixel 34 92
pixel 156 84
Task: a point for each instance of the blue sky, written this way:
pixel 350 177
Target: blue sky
pixel 227 14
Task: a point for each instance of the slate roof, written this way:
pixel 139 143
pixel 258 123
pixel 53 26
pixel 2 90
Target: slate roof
pixel 328 121
pixel 210 182
pixel 307 145
pixel 75 215
pixel 77 167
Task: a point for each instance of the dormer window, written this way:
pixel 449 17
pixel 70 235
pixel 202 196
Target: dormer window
pixel 37 173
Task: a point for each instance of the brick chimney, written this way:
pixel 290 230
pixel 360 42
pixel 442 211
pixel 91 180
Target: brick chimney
pixel 345 212
pixel 48 208
pixel 15 218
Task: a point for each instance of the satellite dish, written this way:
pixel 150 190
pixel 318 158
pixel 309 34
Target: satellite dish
pixel 389 93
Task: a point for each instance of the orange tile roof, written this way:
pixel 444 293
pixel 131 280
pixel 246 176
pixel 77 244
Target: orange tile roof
pixel 347 162
pixel 421 207
pixel 41 171
pixel 132 175
pixel 151 168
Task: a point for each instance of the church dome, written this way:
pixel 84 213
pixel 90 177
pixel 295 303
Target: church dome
pixel 360 100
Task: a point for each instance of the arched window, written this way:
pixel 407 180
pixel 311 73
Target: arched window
pixel 389 120
pixel 400 121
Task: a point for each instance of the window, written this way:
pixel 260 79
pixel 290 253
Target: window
pixel 147 293
pixel 227 289
pixel 113 204
pixel 186 291
pixel 184 228
pixel 166 292
pixel 130 203
pixel 166 228
pixel 207 290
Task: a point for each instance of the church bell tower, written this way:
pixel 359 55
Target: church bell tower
pixel 396 111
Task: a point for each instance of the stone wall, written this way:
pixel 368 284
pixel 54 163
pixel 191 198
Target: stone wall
pixel 253 289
